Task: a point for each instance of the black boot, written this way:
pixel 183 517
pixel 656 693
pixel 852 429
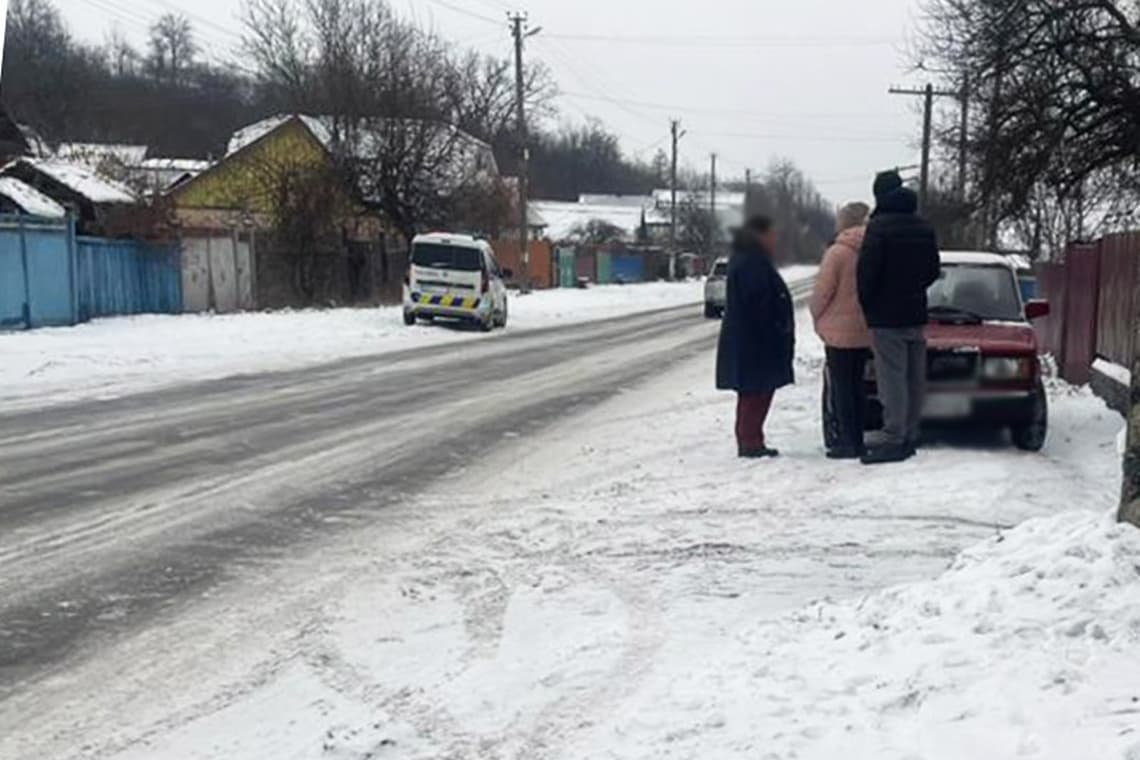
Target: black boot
pixel 762 453
pixel 888 453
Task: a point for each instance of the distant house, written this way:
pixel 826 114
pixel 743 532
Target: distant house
pixel 96 202
pixel 132 165
pixel 237 197
pixel 636 217
pixel 226 214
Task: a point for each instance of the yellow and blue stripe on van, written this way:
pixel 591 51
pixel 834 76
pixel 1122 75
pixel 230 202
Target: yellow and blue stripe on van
pixel 447 302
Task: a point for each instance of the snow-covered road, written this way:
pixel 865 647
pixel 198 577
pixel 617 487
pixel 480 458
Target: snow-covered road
pixel 617 585
pixel 112 357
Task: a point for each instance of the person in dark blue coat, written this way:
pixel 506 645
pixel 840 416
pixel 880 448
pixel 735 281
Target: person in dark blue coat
pixel 757 338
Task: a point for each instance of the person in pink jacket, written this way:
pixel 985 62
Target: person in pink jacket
pixel 839 322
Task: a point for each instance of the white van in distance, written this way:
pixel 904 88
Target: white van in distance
pixel 455 277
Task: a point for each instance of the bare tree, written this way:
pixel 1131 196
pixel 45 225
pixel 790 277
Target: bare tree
pixel 1056 100
pixel 391 96
pixel 172 47
pixel 121 55
pixel 597 232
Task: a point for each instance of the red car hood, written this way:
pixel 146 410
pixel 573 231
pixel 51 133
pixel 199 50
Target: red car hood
pixel 1001 338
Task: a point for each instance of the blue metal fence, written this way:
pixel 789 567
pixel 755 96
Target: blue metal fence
pixel 51 277
pixel 125 277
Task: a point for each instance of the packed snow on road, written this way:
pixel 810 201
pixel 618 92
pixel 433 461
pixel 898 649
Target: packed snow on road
pixel 110 357
pixel 621 586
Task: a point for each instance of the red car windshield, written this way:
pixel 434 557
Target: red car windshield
pixel 987 292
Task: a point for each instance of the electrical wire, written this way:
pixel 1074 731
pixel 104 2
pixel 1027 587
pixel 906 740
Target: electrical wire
pixel 728 41
pixel 464 12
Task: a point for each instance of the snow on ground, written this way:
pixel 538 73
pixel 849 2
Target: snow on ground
pixel 111 357
pixel 621 586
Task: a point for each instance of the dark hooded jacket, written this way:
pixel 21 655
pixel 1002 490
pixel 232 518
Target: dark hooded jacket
pixel 758 335
pixel 898 263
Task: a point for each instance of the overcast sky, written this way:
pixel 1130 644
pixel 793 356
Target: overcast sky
pixel 750 79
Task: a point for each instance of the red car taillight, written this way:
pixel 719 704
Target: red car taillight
pixel 408 276
pixel 486 282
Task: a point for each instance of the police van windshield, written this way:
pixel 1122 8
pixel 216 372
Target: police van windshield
pixel 438 256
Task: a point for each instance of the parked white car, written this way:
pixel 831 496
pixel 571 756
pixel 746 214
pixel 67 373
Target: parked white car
pixel 716 290
pixel 455 277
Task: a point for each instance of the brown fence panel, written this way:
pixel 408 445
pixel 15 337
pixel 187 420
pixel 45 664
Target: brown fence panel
pixel 507 251
pixel 1083 290
pixel 586 264
pixel 1052 280
pixel 1120 262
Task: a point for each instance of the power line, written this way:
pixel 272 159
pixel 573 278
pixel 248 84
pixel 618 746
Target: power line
pixel 729 41
pixel 712 111
pixel 807 137
pixel 465 12
pixel 569 63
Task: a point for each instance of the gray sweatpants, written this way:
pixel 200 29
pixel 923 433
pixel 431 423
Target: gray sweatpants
pixel 900 366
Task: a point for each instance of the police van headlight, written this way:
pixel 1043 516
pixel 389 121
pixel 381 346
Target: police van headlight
pixel 1007 368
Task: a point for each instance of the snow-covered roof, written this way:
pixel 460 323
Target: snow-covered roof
pixel 975 258
pixel 639 201
pixel 30 200
pixel 94 153
pixel 564 219
pixel 79 179
pixel 189 165
pixel 468 155
pixel 724 199
pixel 247 136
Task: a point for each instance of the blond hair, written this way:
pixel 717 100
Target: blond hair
pixel 852 215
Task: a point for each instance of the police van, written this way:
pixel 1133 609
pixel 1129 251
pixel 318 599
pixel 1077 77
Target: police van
pixel 455 277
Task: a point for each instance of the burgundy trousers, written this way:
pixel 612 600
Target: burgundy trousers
pixel 751 414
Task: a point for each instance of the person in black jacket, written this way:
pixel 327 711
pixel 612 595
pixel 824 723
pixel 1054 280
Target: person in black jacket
pixel 757 338
pixel 897 265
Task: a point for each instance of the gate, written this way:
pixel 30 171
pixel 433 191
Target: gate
pixel 37 286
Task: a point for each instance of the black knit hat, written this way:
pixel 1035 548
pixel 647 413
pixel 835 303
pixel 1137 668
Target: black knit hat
pixel 887 182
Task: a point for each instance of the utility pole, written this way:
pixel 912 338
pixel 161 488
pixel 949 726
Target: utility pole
pixel 712 205
pixel 747 192
pixel 1130 498
pixel 928 94
pixel 520 33
pixel 677 134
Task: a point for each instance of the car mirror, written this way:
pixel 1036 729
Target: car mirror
pixel 1036 310
pixel 508 274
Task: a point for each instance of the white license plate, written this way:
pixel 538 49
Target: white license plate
pixel 947 406
pixel 435 290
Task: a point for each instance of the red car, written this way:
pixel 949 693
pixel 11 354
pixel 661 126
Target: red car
pixel 983 366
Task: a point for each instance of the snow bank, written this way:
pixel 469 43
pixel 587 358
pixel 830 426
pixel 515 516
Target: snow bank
pixel 1025 647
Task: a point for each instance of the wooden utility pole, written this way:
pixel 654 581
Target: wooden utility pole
pixel 712 204
pixel 676 134
pixel 1130 498
pixel 520 33
pixel 928 94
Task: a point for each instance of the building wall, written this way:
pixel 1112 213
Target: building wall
pixel 246 180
